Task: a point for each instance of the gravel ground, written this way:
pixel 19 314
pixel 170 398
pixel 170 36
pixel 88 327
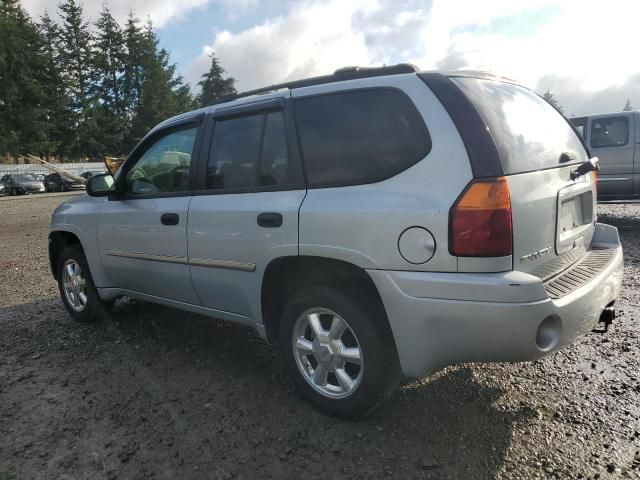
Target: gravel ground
pixel 157 393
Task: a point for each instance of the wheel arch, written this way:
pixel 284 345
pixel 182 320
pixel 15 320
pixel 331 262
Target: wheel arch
pixel 284 275
pixel 58 241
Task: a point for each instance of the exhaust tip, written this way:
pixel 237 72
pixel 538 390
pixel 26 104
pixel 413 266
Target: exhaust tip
pixel 548 334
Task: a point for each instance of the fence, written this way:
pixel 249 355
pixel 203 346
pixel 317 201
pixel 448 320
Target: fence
pixel 75 168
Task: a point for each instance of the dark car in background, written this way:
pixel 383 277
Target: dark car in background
pixel 21 184
pixel 55 182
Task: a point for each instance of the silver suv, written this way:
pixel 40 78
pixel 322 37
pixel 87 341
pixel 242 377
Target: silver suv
pixel 376 223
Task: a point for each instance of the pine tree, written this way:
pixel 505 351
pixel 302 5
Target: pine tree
pixel 22 118
pixel 214 85
pixel 549 97
pixel 75 58
pixel 68 92
pixel 627 106
pixel 59 123
pixel 107 86
pixel 161 93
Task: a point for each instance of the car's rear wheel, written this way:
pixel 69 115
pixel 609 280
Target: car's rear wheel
pixel 76 286
pixel 339 350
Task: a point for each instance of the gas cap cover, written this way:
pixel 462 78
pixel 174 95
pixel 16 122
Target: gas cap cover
pixel 416 245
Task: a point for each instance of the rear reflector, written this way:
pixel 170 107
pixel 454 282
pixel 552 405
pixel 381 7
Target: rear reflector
pixel 480 220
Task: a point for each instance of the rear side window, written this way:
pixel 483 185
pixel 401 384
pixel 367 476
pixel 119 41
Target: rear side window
pixel 609 132
pixel 361 136
pixel 251 152
pixel 236 146
pixel 580 124
pixel 530 134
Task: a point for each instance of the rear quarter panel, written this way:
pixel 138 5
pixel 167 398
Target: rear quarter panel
pixel 362 224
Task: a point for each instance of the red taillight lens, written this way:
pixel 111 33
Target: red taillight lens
pixel 480 220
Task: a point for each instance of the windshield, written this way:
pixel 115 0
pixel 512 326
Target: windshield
pixel 530 134
pixel 24 178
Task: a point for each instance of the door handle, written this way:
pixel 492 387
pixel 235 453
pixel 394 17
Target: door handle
pixel 270 219
pixel 169 218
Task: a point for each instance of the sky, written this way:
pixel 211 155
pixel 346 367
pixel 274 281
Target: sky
pixel 581 50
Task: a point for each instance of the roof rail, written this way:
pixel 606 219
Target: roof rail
pixel 346 73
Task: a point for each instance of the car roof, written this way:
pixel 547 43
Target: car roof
pixel 609 114
pixel 342 74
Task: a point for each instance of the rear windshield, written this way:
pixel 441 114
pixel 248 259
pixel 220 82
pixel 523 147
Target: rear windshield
pixel 360 136
pixel 530 134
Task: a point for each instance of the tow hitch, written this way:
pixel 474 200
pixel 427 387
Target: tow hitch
pixel 606 318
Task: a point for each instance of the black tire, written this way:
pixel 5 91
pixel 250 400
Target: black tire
pixel 95 308
pixel 367 319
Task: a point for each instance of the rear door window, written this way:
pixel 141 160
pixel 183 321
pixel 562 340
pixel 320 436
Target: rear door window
pixel 360 136
pixel 234 159
pixel 251 152
pixel 609 132
pixel 530 134
pixel 581 125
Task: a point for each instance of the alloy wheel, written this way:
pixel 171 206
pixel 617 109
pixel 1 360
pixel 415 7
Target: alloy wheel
pixel 74 285
pixel 327 353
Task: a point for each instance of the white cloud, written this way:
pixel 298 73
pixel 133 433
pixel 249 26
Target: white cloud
pixel 311 38
pixel 583 43
pixel 577 48
pixel 161 12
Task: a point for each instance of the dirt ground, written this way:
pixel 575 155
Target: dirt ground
pixel 157 393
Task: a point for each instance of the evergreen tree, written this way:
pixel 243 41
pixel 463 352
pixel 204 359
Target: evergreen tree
pixel 133 76
pixel 59 123
pixel 107 88
pixel 627 106
pixel 75 58
pixel 69 92
pixel 22 118
pixel 161 93
pixel 214 85
pixel 549 97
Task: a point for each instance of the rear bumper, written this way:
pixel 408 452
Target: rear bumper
pixel 439 319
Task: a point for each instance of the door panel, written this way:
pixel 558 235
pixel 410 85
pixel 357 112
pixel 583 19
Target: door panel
pixel 245 213
pixel 139 253
pixel 229 251
pixel 142 232
pixel 611 139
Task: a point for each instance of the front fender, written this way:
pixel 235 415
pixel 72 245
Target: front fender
pixel 79 217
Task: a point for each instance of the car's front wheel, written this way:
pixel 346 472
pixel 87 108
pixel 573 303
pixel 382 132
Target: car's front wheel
pixel 76 286
pixel 339 349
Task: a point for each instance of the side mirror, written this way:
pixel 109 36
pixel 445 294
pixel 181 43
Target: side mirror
pixel 101 185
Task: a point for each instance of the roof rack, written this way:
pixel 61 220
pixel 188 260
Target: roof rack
pixel 346 73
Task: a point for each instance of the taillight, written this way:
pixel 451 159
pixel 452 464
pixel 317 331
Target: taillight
pixel 480 220
pixel 594 178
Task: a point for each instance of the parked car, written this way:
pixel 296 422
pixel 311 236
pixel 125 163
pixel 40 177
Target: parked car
pixel 55 182
pixel 613 138
pixel 374 222
pixel 21 184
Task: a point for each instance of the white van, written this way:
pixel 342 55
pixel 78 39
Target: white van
pixel 612 137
